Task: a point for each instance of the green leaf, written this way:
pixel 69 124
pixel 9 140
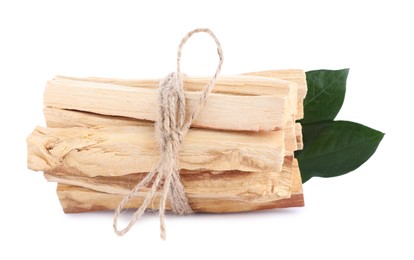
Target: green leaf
pixel 333 148
pixel 326 93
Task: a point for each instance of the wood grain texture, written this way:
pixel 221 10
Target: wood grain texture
pixel 122 150
pixel 59 118
pixel 75 199
pixel 260 112
pixel 254 83
pixel 235 185
pixel 299 136
pixel 248 85
pixel 293 75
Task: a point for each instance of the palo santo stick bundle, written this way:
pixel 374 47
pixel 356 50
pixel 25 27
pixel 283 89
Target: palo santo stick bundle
pixel 100 141
pixel 240 157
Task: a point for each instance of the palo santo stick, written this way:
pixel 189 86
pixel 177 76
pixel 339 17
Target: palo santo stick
pixel 117 151
pixel 297 76
pixel 257 84
pixel 297 179
pixel 68 118
pixel 230 85
pixel 294 75
pixel 261 112
pixel 299 137
pixel 77 199
pixel 235 185
pixel 300 112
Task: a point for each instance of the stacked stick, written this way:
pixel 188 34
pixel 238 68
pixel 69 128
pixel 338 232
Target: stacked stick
pixel 238 155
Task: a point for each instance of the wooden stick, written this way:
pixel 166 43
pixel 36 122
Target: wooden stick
pixel 297 76
pixel 256 85
pixel 68 118
pixel 294 75
pixel 235 185
pixel 300 111
pixel 248 85
pixel 121 150
pixel 223 110
pixel 299 137
pixel 76 199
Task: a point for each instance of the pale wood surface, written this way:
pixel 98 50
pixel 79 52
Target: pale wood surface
pixel 299 136
pixel 59 118
pixel 254 83
pixel 235 185
pixel 121 150
pixel 69 118
pixel 76 199
pixel 300 112
pixel 293 75
pixel 230 85
pixel 261 112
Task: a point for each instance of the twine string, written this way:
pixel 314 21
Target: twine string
pixel 170 130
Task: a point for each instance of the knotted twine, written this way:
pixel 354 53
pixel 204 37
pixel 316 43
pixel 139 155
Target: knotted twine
pixel 170 130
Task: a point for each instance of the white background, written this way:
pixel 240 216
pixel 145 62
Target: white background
pixel 364 215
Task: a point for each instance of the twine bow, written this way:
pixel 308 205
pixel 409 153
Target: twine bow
pixel 170 130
